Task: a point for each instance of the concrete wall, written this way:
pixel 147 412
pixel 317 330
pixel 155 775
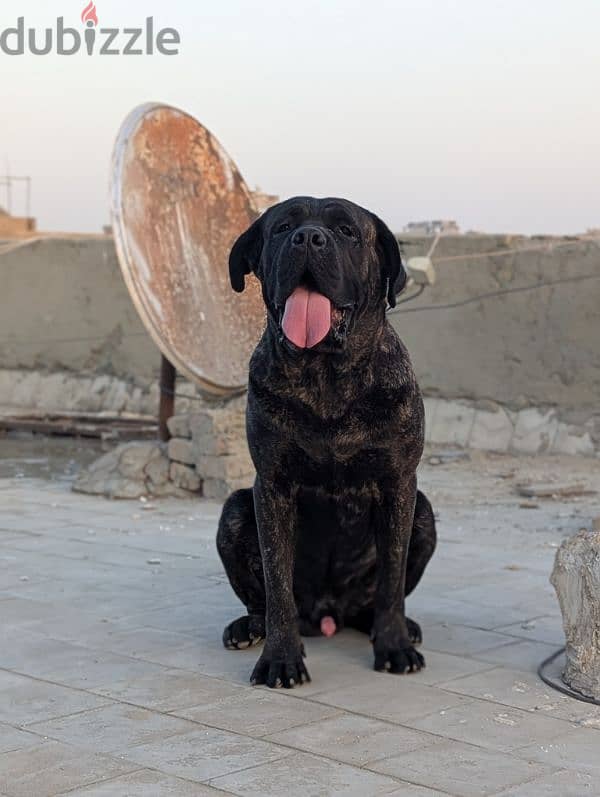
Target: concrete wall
pixel 539 347
pixel 64 307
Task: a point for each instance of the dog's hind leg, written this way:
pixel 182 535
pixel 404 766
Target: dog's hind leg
pixel 237 543
pixel 422 542
pixel 420 550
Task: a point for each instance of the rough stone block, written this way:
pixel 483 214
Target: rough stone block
pixel 179 426
pixel 576 579
pixel 225 467
pixel 492 431
pixel 185 477
pixel 220 489
pixel 129 471
pixel 574 441
pixel 181 450
pixel 452 423
pixel 535 431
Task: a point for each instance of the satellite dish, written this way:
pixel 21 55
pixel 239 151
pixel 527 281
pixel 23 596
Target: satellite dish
pixel 178 204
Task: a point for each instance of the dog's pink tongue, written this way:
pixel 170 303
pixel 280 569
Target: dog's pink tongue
pixel 307 318
pixel 328 626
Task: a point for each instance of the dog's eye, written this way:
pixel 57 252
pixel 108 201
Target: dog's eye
pixel 347 231
pixel 282 228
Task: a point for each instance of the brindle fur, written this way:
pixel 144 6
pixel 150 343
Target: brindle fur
pixel 334 524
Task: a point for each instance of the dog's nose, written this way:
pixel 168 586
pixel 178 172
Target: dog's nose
pixel 309 236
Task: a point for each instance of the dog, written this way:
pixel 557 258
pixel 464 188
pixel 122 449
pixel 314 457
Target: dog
pixel 334 532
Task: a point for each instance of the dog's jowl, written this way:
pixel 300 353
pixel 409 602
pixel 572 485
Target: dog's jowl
pixel 334 532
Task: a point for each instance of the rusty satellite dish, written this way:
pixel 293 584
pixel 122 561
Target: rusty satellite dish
pixel 178 204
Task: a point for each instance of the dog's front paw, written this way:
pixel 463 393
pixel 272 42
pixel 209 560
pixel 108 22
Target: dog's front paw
pixel 280 667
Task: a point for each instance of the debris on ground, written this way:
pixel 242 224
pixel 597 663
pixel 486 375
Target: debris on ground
pixel 550 490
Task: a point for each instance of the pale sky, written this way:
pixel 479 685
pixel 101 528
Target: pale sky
pixel 483 111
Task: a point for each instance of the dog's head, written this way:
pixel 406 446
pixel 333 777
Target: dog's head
pixel 324 265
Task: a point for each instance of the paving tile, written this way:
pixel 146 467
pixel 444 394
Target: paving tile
pixel 67 664
pixel 145 783
pixel 301 774
pixel 257 712
pixel 51 768
pixel 24 700
pixel 525 691
pixel 15 739
pixel 543 629
pixel 519 655
pixel 204 753
pixel 170 690
pixel 566 783
pixel 113 728
pixel 462 640
pixel 459 768
pixel 431 608
pixel 491 725
pixel 396 698
pixel 577 749
pixel 445 667
pixel 353 739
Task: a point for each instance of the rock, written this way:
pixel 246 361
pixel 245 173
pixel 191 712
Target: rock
pixel 451 423
pixel 181 450
pixel 220 489
pixel 185 477
pixel 576 579
pixel 131 470
pixel 534 431
pixel 134 457
pixel 179 426
pixel 492 430
pixel 226 467
pixel 157 469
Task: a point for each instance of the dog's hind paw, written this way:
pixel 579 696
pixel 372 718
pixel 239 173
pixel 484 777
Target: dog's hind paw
pixel 399 661
pixel 414 631
pixel 244 632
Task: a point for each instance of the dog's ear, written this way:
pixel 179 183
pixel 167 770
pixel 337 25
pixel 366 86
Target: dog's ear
pixel 392 268
pixel 245 255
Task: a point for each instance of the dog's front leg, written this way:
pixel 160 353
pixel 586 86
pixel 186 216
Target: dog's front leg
pixel 392 647
pixel 281 662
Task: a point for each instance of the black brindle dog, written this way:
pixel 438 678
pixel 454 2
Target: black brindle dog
pixel 335 532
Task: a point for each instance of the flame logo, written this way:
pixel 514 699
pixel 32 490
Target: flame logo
pixel 89 13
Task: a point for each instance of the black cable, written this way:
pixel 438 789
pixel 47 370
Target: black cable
pixel 502 292
pixel 415 295
pixel 565 690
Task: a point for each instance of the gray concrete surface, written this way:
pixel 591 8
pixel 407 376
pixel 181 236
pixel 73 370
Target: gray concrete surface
pixel 113 680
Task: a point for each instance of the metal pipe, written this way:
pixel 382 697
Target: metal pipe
pixel 166 408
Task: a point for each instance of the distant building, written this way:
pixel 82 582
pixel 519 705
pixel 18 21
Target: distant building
pixel 15 226
pixel 443 226
pixel 263 201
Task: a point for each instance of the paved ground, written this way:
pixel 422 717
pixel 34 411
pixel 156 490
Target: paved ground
pixel 113 680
